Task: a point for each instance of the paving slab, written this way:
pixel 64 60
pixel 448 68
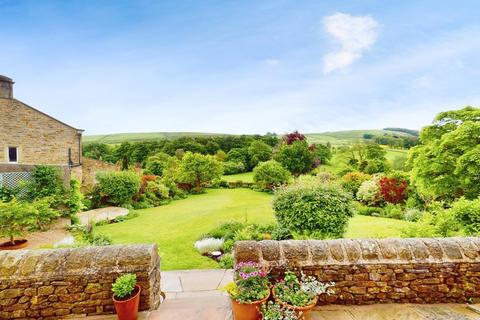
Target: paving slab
pixel 199 308
pixel 101 214
pixel 201 280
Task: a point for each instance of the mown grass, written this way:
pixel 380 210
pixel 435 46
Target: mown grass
pixel 245 177
pixel 176 226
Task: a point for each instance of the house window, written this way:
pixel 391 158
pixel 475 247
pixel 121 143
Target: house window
pixel 13 154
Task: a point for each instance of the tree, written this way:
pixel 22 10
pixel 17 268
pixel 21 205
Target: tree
pixel 296 157
pixel 322 153
pixel 124 154
pixel 259 151
pixel 446 163
pixel 197 169
pixel 294 136
pixel 238 155
pixel 270 174
pixel 157 163
pixel 16 218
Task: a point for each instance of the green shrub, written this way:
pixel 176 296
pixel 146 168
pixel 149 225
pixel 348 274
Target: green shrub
pixel 467 212
pixel 156 192
pixel 281 233
pixel 124 286
pixel 441 223
pixel 369 192
pixel 318 211
pixel 226 230
pixel 118 187
pixel 46 182
pixel 74 197
pixel 270 174
pixel 226 261
pixel 44 212
pixel 351 181
pixel 249 232
pixel 413 214
pixel 157 163
pixel 295 157
pixel 393 211
pixel 228 245
pixel 7 194
pixel 16 218
pixel 230 167
pixel 369 211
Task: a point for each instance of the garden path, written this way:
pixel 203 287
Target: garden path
pixel 101 214
pixel 194 295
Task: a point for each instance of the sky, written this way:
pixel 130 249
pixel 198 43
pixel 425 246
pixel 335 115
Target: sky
pixel 242 66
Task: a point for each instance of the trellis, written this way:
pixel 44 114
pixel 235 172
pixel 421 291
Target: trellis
pixel 11 180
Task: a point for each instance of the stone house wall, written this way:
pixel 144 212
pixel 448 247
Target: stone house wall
pixel 90 168
pixel 59 283
pixel 367 271
pixel 40 138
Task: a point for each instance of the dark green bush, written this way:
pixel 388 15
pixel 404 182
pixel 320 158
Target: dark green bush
pixel 369 211
pixel 118 187
pixel 230 167
pixel 270 174
pixel 319 211
pixel 281 233
pixel 46 182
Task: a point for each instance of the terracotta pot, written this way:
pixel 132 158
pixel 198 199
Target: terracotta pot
pixel 248 311
pixel 18 244
pixel 128 309
pixel 303 313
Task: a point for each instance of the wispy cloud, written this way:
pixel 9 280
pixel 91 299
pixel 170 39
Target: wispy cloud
pixel 355 34
pixel 272 62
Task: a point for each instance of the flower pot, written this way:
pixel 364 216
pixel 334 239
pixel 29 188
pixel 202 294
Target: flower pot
pixel 303 313
pixel 248 311
pixel 17 244
pixel 128 309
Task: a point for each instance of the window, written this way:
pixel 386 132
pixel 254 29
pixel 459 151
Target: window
pixel 13 154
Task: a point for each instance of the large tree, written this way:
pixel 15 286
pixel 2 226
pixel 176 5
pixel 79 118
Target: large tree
pixel 296 157
pixel 446 163
pixel 259 151
pixel 197 169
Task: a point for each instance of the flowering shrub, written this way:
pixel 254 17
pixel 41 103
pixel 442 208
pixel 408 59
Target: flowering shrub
pixel 351 181
pixel 208 245
pixel 300 293
pixel 250 283
pixel 292 137
pixel 393 190
pixel 369 192
pixel 274 311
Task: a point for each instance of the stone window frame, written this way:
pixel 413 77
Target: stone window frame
pixel 8 154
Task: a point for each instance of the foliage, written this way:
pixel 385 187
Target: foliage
pixel 368 211
pixel 446 163
pixel 413 214
pixel 226 230
pixel 322 153
pixel 89 237
pixel 73 198
pixel 290 138
pixel 157 163
pixel 156 192
pixel 118 187
pixel 230 167
pixel 270 174
pixel 369 192
pixel 393 211
pixel 320 211
pixel 258 152
pixel 16 218
pixel 295 157
pixel 124 286
pixel 368 158
pixel 46 182
pixel 226 261
pixel 351 181
pixel 239 155
pixel 299 293
pixel 281 233
pixel 438 223
pixel 250 283
pixel 274 311
pixel 44 213
pixel 7 194
pixel 393 190
pixel 467 212
pixel 198 169
pixel 208 245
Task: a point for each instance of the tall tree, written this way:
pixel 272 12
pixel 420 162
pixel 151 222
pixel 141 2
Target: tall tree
pixel 197 169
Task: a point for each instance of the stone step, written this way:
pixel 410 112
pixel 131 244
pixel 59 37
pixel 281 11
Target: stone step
pixel 194 308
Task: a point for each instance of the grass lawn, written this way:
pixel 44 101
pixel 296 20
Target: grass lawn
pixel 245 177
pixel 176 226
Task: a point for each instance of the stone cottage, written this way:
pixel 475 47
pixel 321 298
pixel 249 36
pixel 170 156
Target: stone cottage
pixel 29 137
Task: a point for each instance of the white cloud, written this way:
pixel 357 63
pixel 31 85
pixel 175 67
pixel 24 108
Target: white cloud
pixel 272 62
pixel 355 34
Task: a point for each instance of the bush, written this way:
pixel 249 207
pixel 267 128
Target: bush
pixel 318 211
pixel 226 261
pixel 124 286
pixel 74 197
pixel 281 233
pixel 156 192
pixel 467 212
pixel 270 174
pixel 369 192
pixel 295 157
pixel 369 211
pixel 46 182
pixel 393 190
pixel 249 232
pixel 352 181
pixel 413 214
pixel 45 215
pixel 226 230
pixel 441 223
pixel 118 187
pixel 209 245
pixel 157 163
pixel 16 218
pixel 231 167
pixel 7 194
pixel 393 211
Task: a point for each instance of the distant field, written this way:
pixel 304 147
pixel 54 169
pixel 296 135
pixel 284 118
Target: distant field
pixel 335 138
pixel 143 136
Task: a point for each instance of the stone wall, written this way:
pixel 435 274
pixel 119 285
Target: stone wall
pixel 367 271
pixel 90 168
pixel 40 138
pixel 53 284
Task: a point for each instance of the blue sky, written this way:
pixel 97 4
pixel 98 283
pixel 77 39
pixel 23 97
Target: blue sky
pixel 242 66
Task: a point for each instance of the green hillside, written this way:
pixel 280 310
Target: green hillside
pixel 348 136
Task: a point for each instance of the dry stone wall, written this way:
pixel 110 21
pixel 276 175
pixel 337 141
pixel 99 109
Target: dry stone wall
pixel 367 271
pixel 63 283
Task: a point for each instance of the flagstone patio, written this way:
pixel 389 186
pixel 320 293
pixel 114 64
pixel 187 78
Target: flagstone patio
pixel 194 295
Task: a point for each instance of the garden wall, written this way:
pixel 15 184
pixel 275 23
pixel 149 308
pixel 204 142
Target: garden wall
pixel 52 284
pixel 368 271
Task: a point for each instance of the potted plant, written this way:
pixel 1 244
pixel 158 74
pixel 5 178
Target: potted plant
pixel 15 219
pixel 126 296
pixel 273 311
pixel 299 295
pixel 249 290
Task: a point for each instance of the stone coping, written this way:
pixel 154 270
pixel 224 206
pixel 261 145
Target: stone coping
pixel 306 253
pixel 45 263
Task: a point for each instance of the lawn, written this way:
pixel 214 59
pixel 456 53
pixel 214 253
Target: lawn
pixel 176 226
pixel 245 177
